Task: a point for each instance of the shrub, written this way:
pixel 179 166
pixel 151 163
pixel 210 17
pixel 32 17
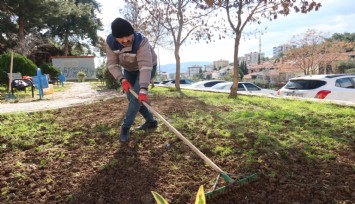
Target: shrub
pixel 261 83
pixel 110 82
pixel 20 64
pixel 51 70
pixel 350 71
pixel 81 76
pixel 229 76
pixel 99 73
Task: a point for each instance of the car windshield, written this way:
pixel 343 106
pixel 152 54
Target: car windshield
pixel 182 81
pixel 251 87
pixel 186 81
pixel 219 86
pixel 212 83
pixel 204 84
pixel 301 84
pixel 165 81
pixel 241 87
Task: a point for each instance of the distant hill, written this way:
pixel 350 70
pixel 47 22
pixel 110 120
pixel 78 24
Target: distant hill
pixel 171 68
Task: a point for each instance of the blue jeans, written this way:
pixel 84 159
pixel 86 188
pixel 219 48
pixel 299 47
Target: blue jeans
pixel 134 106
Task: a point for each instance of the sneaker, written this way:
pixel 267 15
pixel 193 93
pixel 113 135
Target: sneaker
pixel 124 134
pixel 148 125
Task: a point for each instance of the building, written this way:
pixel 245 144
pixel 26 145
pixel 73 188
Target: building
pixel 71 65
pixel 242 59
pixel 220 64
pixel 267 65
pixel 251 58
pixel 209 68
pixel 194 70
pixel 228 70
pixel 266 71
pixel 162 76
pixel 279 50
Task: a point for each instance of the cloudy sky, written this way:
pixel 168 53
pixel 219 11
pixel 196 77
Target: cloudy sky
pixel 334 16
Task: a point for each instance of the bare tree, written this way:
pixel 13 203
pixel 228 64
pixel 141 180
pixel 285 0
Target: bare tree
pixel 184 20
pixel 313 54
pixel 242 12
pixel 305 55
pixel 143 22
pixel 331 52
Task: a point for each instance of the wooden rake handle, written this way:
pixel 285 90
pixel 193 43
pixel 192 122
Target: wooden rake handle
pixel 186 141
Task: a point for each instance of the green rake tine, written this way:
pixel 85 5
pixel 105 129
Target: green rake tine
pixel 231 182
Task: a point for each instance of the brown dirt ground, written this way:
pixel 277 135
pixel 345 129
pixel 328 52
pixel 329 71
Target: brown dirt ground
pixel 111 172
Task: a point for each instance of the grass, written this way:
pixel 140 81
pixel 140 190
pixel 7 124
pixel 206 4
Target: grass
pixel 317 129
pixel 24 131
pixel 239 133
pixel 273 125
pixel 22 96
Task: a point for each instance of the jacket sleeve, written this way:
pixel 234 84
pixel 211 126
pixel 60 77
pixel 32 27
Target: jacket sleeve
pixel 113 64
pixel 145 58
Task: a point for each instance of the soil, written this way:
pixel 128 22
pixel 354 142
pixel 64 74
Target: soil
pixel 102 170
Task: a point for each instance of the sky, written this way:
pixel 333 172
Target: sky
pixel 334 16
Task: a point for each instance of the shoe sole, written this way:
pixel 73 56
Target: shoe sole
pixel 123 141
pixel 146 128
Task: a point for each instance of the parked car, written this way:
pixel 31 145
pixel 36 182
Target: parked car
pixel 330 87
pixel 165 82
pixel 183 82
pixel 244 87
pixel 204 84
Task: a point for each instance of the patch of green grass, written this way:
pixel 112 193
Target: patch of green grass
pixel 3 89
pixel 60 88
pixel 24 130
pixel 21 131
pixel 22 96
pixel 245 131
pixel 111 164
pixel 223 151
pixel 174 167
pixel 281 125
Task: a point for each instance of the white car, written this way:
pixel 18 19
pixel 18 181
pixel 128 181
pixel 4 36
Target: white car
pixel 330 87
pixel 244 87
pixel 183 82
pixel 204 84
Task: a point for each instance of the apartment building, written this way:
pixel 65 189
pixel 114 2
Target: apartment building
pixel 194 70
pixel 251 58
pixel 220 64
pixel 279 50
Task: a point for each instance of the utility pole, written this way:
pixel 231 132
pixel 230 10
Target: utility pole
pixel 158 60
pixel 259 57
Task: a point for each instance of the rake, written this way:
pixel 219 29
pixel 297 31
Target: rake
pixel 227 177
pixel 9 95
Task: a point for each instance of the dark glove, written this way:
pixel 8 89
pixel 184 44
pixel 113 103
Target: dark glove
pixel 143 96
pixel 125 85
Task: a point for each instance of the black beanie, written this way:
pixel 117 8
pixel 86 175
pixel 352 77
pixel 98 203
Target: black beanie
pixel 121 28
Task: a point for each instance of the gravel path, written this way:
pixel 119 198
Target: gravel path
pixel 77 94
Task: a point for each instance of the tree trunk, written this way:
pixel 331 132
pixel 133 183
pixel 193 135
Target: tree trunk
pixel 21 29
pixel 177 59
pixel 66 44
pixel 233 93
